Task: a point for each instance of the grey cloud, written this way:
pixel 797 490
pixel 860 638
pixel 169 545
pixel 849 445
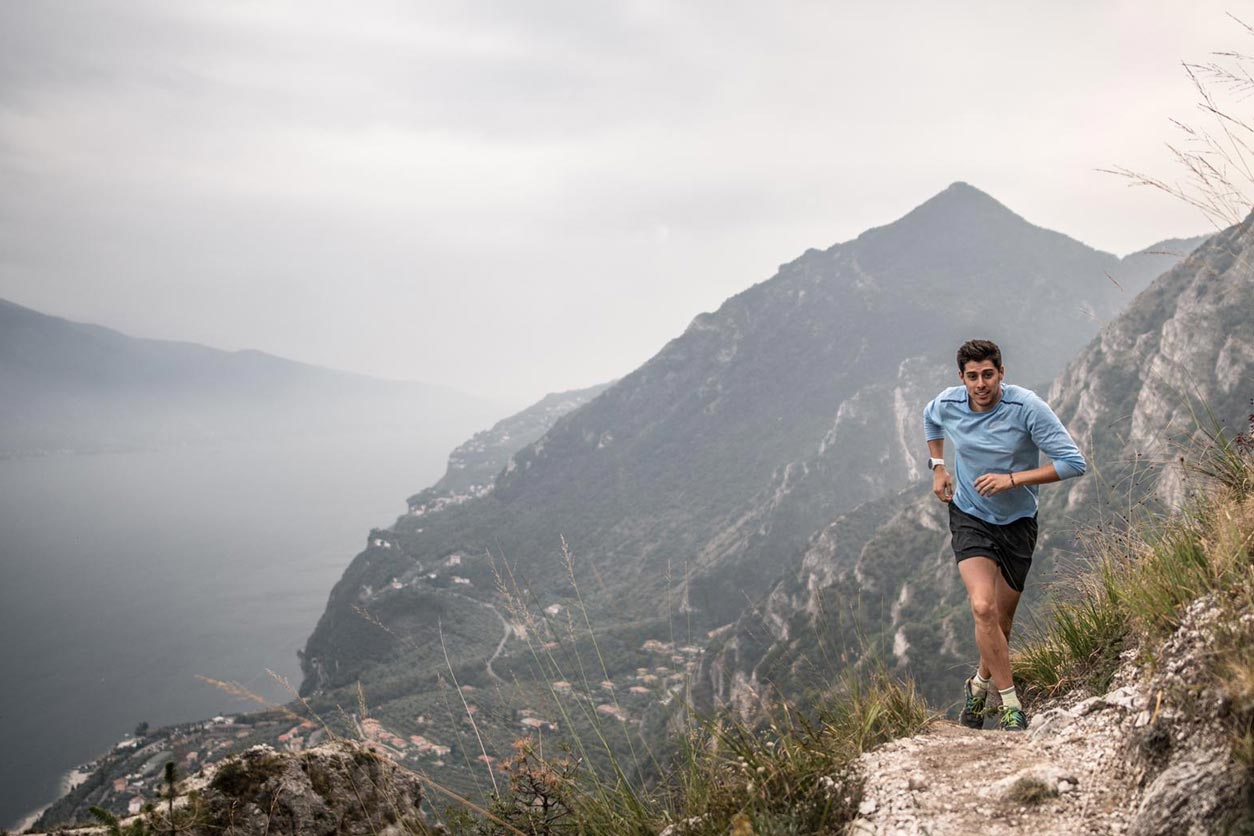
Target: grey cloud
pixel 469 183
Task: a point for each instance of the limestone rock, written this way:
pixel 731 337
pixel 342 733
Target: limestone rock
pixel 1191 797
pixel 340 788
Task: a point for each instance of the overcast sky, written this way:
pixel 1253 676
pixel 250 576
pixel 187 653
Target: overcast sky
pixel 521 197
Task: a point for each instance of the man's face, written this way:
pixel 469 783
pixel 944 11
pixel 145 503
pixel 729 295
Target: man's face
pixel 983 382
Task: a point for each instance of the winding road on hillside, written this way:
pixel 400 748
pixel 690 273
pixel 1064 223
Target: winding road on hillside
pixel 506 629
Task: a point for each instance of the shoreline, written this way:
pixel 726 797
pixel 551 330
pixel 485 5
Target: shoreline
pixel 72 778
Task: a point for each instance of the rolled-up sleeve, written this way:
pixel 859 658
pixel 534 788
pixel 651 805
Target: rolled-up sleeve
pixel 932 429
pixel 1054 441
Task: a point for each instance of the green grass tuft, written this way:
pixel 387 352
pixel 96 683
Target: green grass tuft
pixel 1031 792
pixel 1140 584
pixel 789 774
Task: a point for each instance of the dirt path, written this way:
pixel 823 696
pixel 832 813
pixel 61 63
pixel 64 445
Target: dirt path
pixel 1144 759
pixel 1060 778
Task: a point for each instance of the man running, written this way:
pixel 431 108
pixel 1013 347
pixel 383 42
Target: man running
pixel 998 432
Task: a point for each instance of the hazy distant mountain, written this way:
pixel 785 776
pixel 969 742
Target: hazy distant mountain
pixel 687 487
pixel 881 579
pixel 73 386
pixel 474 464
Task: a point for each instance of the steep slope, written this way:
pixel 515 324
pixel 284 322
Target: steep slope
pixel 69 385
pixel 1184 348
pixel 881 578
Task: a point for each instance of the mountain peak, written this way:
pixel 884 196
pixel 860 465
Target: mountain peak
pixel 963 191
pixel 961 202
pixel 957 221
pixel 961 186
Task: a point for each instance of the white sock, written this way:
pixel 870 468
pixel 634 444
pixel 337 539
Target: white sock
pixel 1009 699
pixel 979 684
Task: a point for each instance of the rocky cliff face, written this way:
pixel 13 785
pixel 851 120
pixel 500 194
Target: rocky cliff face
pixel 880 579
pixel 1183 351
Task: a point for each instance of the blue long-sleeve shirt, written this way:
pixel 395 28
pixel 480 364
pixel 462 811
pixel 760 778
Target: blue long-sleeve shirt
pixel 1009 437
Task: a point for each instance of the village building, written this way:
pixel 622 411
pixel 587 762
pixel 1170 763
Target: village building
pixel 611 711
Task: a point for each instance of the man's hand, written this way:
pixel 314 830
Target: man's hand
pixel 942 484
pixel 993 483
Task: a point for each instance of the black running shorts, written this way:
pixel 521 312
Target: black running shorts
pixel 1009 546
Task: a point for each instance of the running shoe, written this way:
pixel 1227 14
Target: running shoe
pixel 972 715
pixel 1012 719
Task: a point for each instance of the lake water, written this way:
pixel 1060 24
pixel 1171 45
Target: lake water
pixel 123 576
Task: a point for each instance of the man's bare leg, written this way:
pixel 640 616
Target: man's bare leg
pixel 1007 600
pixel 981 575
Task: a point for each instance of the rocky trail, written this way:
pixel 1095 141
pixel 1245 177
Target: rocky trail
pixel 956 780
pixel 1131 761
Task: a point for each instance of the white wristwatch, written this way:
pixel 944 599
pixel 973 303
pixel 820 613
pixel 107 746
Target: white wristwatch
pixel 932 464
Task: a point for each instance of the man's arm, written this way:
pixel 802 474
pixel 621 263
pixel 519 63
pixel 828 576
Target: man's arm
pixel 942 482
pixel 995 483
pixel 934 434
pixel 1054 441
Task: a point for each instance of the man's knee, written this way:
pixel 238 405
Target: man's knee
pixel 985 611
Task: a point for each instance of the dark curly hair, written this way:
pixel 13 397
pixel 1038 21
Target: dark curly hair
pixel 978 351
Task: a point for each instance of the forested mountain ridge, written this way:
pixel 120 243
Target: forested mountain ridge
pixel 686 487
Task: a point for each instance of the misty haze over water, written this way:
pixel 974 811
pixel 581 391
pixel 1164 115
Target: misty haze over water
pixel 125 575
